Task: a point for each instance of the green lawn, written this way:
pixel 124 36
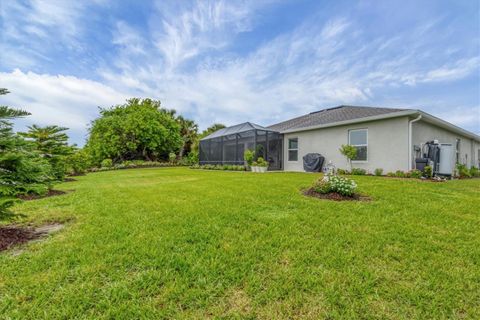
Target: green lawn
pixel 181 243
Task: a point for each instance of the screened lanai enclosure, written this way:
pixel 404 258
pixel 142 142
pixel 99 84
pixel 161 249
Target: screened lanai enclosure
pixel 228 145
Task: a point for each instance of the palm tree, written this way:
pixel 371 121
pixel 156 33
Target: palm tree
pixel 189 133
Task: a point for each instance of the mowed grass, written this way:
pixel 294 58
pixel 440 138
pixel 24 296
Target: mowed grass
pixel 189 244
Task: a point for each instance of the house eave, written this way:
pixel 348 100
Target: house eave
pixel 448 126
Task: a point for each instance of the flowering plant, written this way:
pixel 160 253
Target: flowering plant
pixel 342 185
pixel 332 183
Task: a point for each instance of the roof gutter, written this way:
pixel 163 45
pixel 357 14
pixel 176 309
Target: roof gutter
pixel 410 146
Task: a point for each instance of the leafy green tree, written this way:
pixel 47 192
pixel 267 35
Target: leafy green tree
pixel 52 144
pixel 139 129
pixel 22 169
pixel 349 152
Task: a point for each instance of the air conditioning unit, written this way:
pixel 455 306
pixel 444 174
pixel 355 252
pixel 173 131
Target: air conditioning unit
pixel 447 159
pixel 439 156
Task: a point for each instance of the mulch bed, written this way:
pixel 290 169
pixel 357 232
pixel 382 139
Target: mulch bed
pixel 334 196
pixel 50 193
pixel 12 235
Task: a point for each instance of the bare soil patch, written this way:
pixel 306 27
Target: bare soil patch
pixel 335 196
pixel 14 235
pixel 50 193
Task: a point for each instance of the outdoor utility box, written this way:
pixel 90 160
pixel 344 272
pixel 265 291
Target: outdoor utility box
pixel 313 162
pixel 421 163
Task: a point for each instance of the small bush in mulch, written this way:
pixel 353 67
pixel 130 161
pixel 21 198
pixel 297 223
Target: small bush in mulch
pixel 50 193
pixel 333 187
pixel 335 196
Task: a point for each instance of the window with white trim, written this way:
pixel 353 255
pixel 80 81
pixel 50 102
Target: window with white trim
pixel 358 138
pixel 293 149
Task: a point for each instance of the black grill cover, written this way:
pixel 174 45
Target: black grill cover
pixel 313 162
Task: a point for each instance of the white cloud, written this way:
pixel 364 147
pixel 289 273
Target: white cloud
pixel 62 100
pixel 203 26
pixel 33 29
pixel 334 28
pixel 458 70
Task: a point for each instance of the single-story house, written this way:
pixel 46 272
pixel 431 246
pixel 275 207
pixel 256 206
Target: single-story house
pixel 385 138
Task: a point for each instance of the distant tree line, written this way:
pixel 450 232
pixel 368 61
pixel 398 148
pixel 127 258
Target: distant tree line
pixel 32 162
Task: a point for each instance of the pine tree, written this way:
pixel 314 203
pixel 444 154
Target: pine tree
pixel 22 170
pixel 52 144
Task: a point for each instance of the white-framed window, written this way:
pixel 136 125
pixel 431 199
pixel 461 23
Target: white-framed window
pixel 359 139
pixel 457 150
pixel 293 149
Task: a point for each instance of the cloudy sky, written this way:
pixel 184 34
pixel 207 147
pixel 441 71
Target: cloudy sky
pixel 233 61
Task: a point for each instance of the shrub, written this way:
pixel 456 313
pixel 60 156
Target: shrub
pixel 78 162
pixel 359 172
pixel 474 172
pixel 119 166
pixel 417 174
pixel 218 167
pixel 322 186
pixel 129 164
pixel 343 172
pixel 192 158
pixel 248 156
pixel 261 162
pixel 172 157
pixel 462 171
pixel 343 186
pixel 427 172
pixel 349 152
pixel 378 171
pixel 391 174
pixel 106 163
pixel 399 174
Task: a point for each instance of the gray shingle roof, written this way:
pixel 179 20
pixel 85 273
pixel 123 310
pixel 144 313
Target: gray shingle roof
pixel 242 127
pixel 331 115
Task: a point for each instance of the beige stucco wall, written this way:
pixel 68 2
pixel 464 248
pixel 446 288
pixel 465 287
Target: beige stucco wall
pixel 387 145
pixel 423 131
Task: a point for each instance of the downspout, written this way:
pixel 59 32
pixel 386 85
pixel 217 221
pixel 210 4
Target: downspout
pixel 410 144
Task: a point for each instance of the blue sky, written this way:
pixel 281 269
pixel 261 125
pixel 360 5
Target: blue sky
pixel 233 61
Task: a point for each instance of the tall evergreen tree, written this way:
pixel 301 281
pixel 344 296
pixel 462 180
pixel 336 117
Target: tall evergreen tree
pixel 52 144
pixel 22 170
